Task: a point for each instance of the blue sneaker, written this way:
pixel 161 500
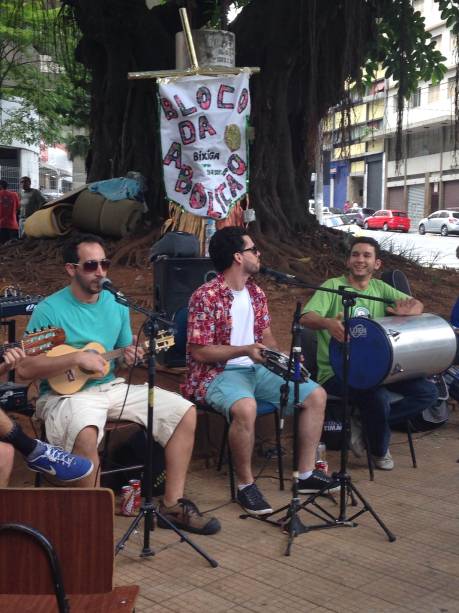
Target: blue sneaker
pixel 58 463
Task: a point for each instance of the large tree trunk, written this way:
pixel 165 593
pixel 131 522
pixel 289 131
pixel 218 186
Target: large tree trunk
pixel 121 36
pixel 305 48
pixel 304 52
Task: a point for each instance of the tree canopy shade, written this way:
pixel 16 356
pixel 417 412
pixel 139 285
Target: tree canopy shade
pixel 307 50
pixel 33 75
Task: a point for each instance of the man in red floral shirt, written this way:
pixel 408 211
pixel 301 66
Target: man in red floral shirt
pixel 228 327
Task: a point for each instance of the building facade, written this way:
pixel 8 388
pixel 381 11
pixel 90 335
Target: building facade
pixel 427 177
pixel 355 171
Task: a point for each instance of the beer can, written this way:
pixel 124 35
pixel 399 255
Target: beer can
pixel 136 486
pixel 321 452
pixel 322 465
pixel 127 501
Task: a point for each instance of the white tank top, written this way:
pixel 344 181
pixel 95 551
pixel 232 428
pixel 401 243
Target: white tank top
pixel 243 324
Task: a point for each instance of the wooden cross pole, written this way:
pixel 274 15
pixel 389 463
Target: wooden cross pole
pixel 194 69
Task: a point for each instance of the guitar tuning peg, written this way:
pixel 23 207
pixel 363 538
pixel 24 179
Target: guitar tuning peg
pixel 34 330
pixel 42 328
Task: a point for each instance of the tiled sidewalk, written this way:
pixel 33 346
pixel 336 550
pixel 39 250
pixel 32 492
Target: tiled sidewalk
pixel 342 569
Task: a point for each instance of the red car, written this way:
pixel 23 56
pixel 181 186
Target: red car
pixel 388 220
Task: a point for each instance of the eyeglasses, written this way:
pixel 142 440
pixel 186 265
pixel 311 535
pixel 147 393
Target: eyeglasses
pixel 92 265
pixel 253 249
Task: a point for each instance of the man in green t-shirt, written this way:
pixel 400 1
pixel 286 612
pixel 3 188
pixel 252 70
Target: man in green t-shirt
pixel 324 313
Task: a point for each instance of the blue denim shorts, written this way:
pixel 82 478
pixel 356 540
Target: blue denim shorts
pixel 257 382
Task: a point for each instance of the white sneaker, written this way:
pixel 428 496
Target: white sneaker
pixel 384 463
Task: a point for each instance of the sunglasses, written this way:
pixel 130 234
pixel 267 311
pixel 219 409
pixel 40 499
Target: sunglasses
pixel 253 249
pixel 93 265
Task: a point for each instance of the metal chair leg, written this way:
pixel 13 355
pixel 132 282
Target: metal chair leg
pixel 280 461
pixel 371 469
pixel 224 443
pixel 410 443
pixel 38 476
pixel 231 473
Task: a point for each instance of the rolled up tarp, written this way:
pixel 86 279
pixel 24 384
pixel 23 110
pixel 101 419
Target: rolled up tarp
pixel 50 222
pixel 87 210
pixel 121 217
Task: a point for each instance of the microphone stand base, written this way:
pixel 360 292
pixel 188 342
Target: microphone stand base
pixel 148 512
pixel 293 526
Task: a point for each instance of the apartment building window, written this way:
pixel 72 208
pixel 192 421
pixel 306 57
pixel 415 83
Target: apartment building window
pixel 375 125
pixel 358 132
pixel 424 142
pixel 377 87
pixel 414 101
pixel 355 94
pixel 437 41
pixel 434 93
pixel 451 87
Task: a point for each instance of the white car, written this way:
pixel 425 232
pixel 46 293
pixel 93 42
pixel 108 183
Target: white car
pixel 325 210
pixel 443 222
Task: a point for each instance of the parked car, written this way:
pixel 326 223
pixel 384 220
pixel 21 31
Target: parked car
pixel 354 216
pixel 334 221
pixel 325 210
pixel 51 195
pixel 443 222
pixel 363 214
pixel 388 220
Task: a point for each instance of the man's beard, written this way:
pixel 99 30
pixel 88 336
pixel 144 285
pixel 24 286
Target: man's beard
pixel 90 287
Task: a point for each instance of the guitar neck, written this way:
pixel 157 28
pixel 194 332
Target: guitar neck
pixel 112 355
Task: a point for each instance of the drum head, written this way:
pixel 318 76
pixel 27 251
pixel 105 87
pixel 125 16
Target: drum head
pixel 370 354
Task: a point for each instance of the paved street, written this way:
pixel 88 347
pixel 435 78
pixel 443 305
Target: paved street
pixel 429 250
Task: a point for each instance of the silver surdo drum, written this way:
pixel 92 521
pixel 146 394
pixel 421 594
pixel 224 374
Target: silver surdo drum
pixel 394 349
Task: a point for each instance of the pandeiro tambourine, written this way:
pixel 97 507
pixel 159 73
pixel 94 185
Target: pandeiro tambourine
pixel 277 363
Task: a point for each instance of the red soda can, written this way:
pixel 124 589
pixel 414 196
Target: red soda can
pixel 322 465
pixel 136 486
pixel 127 501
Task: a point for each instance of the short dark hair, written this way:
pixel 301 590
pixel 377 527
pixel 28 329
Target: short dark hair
pixel 224 244
pixel 70 249
pixel 25 178
pixel 3 184
pixel 366 240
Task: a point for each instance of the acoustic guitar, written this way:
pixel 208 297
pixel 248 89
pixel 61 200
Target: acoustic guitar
pixel 36 342
pixel 73 379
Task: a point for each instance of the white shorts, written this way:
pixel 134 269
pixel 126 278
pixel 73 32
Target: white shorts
pixel 66 416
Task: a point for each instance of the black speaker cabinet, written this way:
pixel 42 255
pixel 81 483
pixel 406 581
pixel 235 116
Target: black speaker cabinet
pixel 175 279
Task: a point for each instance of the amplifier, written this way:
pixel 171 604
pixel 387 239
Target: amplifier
pixel 13 397
pixel 11 306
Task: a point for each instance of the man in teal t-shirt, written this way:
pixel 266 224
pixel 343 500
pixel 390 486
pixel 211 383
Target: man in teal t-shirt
pixel 324 313
pixel 75 418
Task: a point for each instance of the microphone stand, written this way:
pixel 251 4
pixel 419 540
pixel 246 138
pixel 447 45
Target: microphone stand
pixel 340 478
pixel 292 521
pixel 147 510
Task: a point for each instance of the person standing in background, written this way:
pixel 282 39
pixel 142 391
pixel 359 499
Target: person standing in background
pixel 31 200
pixel 9 207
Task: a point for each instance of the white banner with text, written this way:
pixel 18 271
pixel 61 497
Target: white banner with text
pixel 204 141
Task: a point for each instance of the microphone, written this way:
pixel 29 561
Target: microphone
pixel 281 277
pixel 106 284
